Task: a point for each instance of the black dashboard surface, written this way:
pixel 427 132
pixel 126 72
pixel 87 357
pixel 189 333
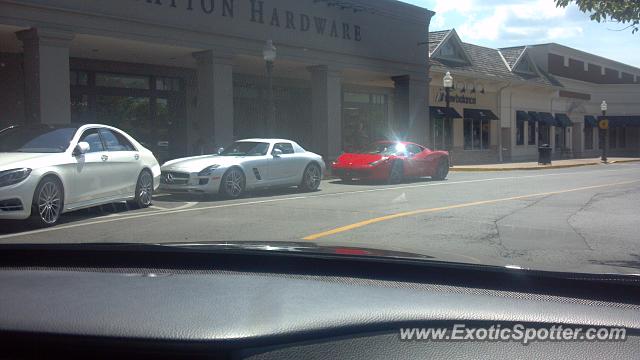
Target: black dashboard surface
pixel 275 314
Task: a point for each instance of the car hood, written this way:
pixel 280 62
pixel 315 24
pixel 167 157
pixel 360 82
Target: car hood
pixel 14 160
pixel 198 163
pixel 358 159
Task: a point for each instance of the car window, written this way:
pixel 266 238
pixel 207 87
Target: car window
pixel 414 149
pixel 92 137
pixel 286 148
pixel 116 141
pixel 36 139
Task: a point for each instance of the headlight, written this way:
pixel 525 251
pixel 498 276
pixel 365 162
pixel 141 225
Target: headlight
pixel 208 171
pixel 378 162
pixel 14 176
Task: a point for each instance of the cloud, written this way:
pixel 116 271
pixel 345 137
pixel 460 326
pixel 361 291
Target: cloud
pixel 495 20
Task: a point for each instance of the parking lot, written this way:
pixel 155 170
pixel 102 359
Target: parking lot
pixel 581 219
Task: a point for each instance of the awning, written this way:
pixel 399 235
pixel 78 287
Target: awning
pixel 562 120
pixel 619 121
pixel 590 120
pixel 533 116
pixel 547 118
pixel 522 116
pixel 480 114
pixel 439 111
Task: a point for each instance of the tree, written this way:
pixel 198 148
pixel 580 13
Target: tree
pixel 622 11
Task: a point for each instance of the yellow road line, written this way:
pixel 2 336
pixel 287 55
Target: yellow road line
pixel 451 207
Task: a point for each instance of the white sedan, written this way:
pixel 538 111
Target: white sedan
pixel 47 170
pixel 245 165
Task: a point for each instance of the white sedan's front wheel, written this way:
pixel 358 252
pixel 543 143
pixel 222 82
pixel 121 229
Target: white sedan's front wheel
pixel 47 202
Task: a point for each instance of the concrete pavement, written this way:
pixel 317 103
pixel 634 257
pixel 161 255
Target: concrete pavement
pixel 582 219
pixel 556 164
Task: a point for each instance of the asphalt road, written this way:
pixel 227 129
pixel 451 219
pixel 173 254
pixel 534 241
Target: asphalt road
pixel 582 219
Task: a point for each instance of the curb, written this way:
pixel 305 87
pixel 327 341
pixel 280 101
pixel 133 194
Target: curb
pixel 472 169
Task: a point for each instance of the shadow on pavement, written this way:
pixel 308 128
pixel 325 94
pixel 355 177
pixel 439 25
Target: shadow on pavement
pixel 256 194
pixel 371 182
pixel 16 226
pixel 632 263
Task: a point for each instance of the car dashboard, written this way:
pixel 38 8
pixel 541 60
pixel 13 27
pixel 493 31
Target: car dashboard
pixel 247 305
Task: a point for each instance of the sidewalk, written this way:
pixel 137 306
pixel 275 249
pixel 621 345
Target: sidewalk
pixel 556 164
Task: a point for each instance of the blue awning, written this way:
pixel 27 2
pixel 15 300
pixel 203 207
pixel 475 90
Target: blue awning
pixel 522 116
pixel 480 114
pixel 441 112
pixel 562 120
pixel 547 118
pixel 533 116
pixel 590 120
pixel 619 121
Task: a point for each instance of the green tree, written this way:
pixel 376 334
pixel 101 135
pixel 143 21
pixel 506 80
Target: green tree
pixel 622 11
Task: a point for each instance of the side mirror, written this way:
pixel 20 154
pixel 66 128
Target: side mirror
pixel 220 150
pixel 411 154
pixel 81 149
pixel 276 153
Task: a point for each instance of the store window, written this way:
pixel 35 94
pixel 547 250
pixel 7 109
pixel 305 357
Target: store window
pixel 168 84
pixel 532 133
pixel 122 81
pixel 588 137
pixel 364 119
pixel 476 134
pixel 519 132
pixel 78 78
pixel 623 137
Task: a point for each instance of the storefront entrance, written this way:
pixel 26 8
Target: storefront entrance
pixel 149 108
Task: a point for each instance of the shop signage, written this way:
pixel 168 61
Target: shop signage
pixel 260 12
pixel 440 96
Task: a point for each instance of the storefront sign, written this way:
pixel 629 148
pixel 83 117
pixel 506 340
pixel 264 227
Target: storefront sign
pixel 259 12
pixel 440 96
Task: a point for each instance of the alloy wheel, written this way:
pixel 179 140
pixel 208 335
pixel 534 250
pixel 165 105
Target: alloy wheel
pixel 48 202
pixel 234 183
pixel 312 177
pixel 145 189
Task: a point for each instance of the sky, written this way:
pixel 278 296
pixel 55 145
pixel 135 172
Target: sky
pixel 504 23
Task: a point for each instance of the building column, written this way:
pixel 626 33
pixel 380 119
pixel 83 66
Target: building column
pixel 214 111
pixel 411 108
pixel 326 111
pixel 46 73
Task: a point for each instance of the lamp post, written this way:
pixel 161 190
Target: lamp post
pixel 604 132
pixel 447 82
pixel 269 55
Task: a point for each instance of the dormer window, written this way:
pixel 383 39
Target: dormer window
pixel 525 67
pixel 451 51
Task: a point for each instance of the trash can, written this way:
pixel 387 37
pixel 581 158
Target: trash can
pixel 544 154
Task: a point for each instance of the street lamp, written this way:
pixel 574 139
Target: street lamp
pixel 604 132
pixel 447 82
pixel 269 55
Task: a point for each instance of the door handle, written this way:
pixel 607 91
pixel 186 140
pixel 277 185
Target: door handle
pixel 105 157
pixel 136 156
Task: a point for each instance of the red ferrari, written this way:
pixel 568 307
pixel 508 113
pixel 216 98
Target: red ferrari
pixel 392 161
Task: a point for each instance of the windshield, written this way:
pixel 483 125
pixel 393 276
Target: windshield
pixel 242 148
pixel 36 139
pixel 502 132
pixel 386 149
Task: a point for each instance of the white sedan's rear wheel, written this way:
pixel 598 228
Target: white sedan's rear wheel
pixel 233 183
pixel 144 190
